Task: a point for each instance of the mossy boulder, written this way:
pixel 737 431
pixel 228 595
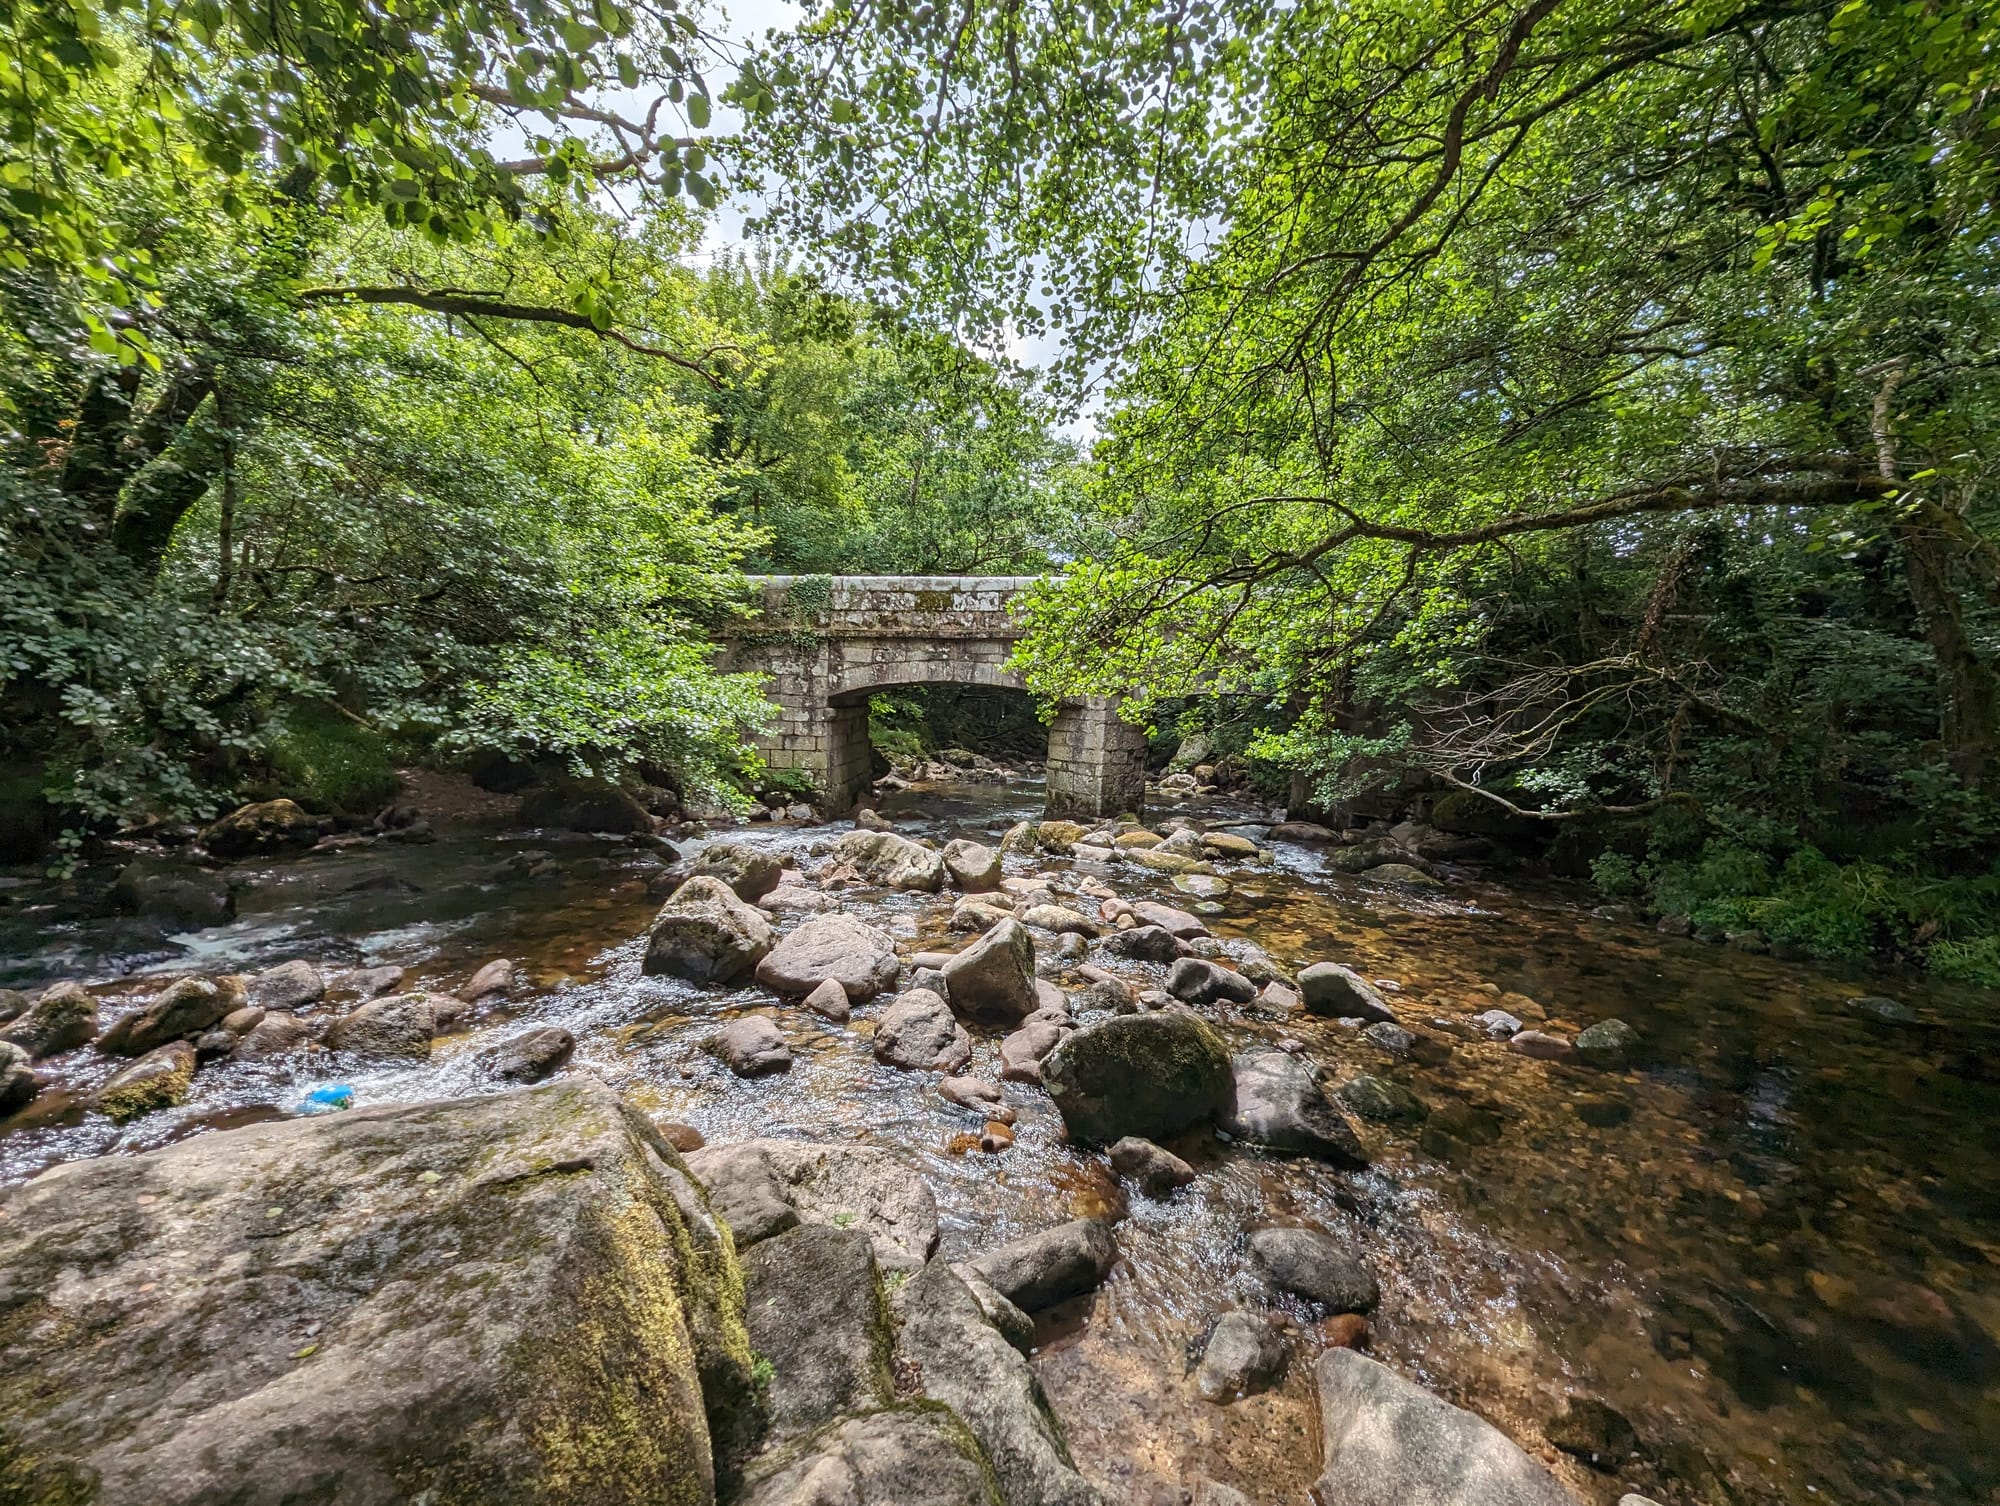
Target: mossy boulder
pixel 62 1019
pixel 158 1080
pixel 181 1011
pixel 267 826
pixel 506 1300
pixel 1151 1075
pixel 892 861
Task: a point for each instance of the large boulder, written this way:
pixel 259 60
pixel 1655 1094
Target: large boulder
pixel 763 1187
pixel 400 1025
pixel 1387 1442
pixel 158 1080
pixel 918 1032
pixel 513 1299
pixel 893 862
pixel 750 871
pixel 1151 1075
pixel 706 934
pixel 1040 1270
pixel 180 1012
pixel 174 890
pixel 812 1298
pixel 860 958
pixel 585 805
pixel 267 826
pixel 911 1456
pixel 973 866
pixel 1279 1105
pixel 1338 991
pixel 994 978
pixel 63 1018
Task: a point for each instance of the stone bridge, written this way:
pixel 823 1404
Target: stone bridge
pixel 828 644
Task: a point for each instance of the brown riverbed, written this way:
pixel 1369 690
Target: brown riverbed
pixel 1783 1267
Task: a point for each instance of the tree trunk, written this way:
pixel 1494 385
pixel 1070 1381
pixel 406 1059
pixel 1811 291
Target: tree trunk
pixel 1970 688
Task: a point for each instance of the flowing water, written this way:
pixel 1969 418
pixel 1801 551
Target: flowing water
pixel 1774 1246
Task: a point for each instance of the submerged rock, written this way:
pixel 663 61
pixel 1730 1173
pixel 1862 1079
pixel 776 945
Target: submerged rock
pixel 1279 1105
pixel 1040 1270
pixel 1245 1353
pixel 1591 1429
pixel 859 957
pixel 994 978
pixel 1382 1100
pixel 1155 1171
pixel 1312 1265
pixel 1387 1442
pixel 1609 1045
pixel 440 1300
pixel 918 1032
pixel 704 933
pixel 1151 1075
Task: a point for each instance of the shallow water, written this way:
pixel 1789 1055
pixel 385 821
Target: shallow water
pixel 1781 1268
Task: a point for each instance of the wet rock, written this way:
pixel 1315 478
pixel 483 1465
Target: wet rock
pixel 812 1299
pixel 1015 1326
pixel 18 1082
pixel 1246 1353
pixel 1591 1429
pixel 1072 947
pixel 1339 992
pixel 585 805
pixel 1058 918
pixel 1202 982
pixel 13 1004
pixel 918 1032
pixel 1136 839
pixel 1280 998
pixel 1163 861
pixel 994 978
pixel 1177 923
pixel 1021 1053
pixel 174 890
pixel 891 861
pixel 1455 1127
pixel 750 872
pixel 1228 845
pixel 1277 1104
pixel 1393 1039
pixel 1102 996
pixel 1884 1011
pixel 1314 1266
pixel 860 958
pixel 400 1025
pixel 181 1011
pixel 158 1080
pixel 704 933
pixel 986 1099
pixel 1345 1331
pixel 496 977
pixel 1542 1046
pixel 751 1047
pixel 829 1000
pixel 1387 1442
pixel 63 1018
pixel 274 1035
pixel 373 982
pixel 844 1186
pixel 1214 1493
pixel 1043 1269
pixel 211 1354
pixel 1303 831
pixel 682 1137
pixel 287 986
pixel 866 819
pixel 1058 836
pixel 912 1456
pixel 973 866
pixel 1151 1075
pixel 1601 1110
pixel 1144 944
pixel 1382 1100
pixel 1675 925
pixel 1498 1024
pixel 1156 1172
pixel 969 1366
pixel 529 1056
pixel 1402 874
pixel 974 916
pixel 1609 1045
pixel 1202 885
pixel 995 1137
pixel 266 826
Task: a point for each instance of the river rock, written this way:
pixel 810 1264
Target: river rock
pixel 1040 1270
pixel 1339 992
pixel 812 1300
pixel 861 959
pixel 763 1187
pixel 495 977
pixel 174 890
pixel 749 871
pixel 1542 1046
pixel 1609 1045
pixel 435 1301
pixel 912 1456
pixel 400 1025
pixel 970 1366
pixel 1144 944
pixel 18 1082
pixel 1021 1053
pixel 1498 1024
pixel 1228 845
pixel 1393 1039
pixel 373 982
pixel 891 861
pixel 273 1035
pixel 13 1004
pixel 752 1047
pixel 287 986
pixel 1162 861
pixel 1311 1265
pixel 829 1001
pixel 1177 923
pixel 975 915
pixel 993 979
pixel 529 1056
pixel 1380 1099
pixel 918 1032
pixel 1591 1429
pixel 973 866
pixel 1303 831
pixel 986 1099
pixel 158 1080
pixel 1278 1105
pixel 1156 1172
pixel 1058 918
pixel 1884 1010
pixel 63 1018
pixel 1387 1442
pixel 1151 1075
pixel 1245 1353
pixel 1403 874
pixel 180 1011
pixel 265 826
pixel 706 934
pixel 1201 982
pixel 585 805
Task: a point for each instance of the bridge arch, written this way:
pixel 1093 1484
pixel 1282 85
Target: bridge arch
pixel 827 644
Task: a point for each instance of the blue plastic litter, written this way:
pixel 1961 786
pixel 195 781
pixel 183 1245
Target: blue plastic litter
pixel 326 1100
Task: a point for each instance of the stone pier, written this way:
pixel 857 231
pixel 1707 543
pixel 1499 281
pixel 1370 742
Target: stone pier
pixel 829 643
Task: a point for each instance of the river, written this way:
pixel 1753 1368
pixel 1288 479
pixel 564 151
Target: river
pixel 1772 1247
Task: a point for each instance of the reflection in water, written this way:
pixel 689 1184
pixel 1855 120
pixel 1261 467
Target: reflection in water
pixel 1773 1248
